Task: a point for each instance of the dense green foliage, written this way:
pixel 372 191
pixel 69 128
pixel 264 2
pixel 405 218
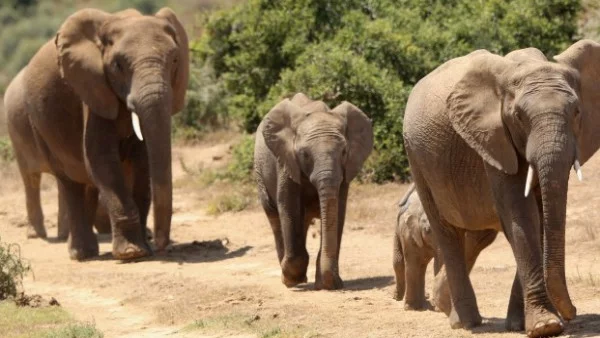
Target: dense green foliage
pixel 369 52
pixel 12 270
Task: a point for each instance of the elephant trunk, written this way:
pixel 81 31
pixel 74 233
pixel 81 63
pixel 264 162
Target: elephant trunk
pixel 153 105
pixel 553 159
pixel 328 186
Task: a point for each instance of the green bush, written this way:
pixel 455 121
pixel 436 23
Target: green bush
pixel 368 52
pixel 12 270
pixel 6 150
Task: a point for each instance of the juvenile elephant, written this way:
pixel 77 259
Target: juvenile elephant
pixel 491 141
pixel 305 157
pixel 413 250
pixel 82 98
pixel 415 247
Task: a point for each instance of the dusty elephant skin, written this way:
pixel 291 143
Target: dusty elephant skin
pixel 305 157
pixel 415 247
pixel 491 141
pixel 75 110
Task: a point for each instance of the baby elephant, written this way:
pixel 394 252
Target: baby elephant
pixel 304 159
pixel 414 248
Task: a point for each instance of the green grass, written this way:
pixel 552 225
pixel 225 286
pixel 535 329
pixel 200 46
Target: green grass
pixel 50 322
pixel 246 323
pixel 234 200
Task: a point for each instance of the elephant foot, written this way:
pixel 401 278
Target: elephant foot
pixel 83 249
pixel 328 280
pixel 515 323
pixel 62 237
pixel 542 323
pixel 36 232
pixel 126 250
pixel 416 305
pixel 470 318
pixel 515 317
pixel 566 309
pixel 398 295
pixel 293 270
pixel 161 242
pixel 291 283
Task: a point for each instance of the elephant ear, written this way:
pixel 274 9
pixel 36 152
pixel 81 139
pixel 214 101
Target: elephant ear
pixel 475 111
pixel 182 74
pixel 526 55
pixel 279 131
pixel 80 61
pixel 584 56
pixel 359 135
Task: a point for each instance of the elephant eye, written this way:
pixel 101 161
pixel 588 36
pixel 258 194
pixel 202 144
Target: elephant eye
pixel 117 66
pixel 175 60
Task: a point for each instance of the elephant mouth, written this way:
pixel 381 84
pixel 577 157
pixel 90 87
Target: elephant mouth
pixel 135 122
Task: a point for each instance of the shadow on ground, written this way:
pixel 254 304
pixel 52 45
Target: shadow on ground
pixel 191 252
pixel 358 284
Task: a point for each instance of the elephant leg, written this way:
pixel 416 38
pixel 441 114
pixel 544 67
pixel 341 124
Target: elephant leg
pixel 291 215
pixel 82 240
pixel 520 221
pixel 98 214
pixel 475 242
pixel 142 194
pixel 416 267
pixel 103 163
pixel 63 217
pixel 515 317
pixel 399 268
pixel 450 239
pixel 35 215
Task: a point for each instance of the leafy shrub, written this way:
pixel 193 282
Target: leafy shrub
pixel 242 162
pixel 367 52
pixel 12 270
pixel 6 150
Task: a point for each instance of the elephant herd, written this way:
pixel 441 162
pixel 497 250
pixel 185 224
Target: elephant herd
pixel 490 141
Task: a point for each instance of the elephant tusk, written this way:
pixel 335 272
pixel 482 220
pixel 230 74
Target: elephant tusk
pixel 135 121
pixel 577 168
pixel 529 180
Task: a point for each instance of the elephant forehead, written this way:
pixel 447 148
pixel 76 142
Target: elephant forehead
pixel 140 30
pixel 321 121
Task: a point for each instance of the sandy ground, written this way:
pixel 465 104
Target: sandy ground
pixel 223 274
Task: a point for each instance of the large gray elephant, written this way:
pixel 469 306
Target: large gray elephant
pixel 491 141
pixel 82 98
pixel 305 157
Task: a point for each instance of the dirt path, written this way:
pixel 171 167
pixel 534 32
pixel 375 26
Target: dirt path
pixel 223 274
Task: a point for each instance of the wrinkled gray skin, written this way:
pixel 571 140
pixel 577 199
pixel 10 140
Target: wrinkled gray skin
pixel 75 99
pixel 414 247
pixel 304 159
pixel 472 128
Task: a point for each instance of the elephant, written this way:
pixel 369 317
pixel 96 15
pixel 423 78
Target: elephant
pixel 98 100
pixel 415 247
pixel 305 157
pixel 413 250
pixel 490 142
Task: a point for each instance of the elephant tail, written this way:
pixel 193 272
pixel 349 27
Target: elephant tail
pixel 403 203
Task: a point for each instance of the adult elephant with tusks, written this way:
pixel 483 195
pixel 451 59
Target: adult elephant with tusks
pixel 305 157
pixel 83 96
pixel 491 141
